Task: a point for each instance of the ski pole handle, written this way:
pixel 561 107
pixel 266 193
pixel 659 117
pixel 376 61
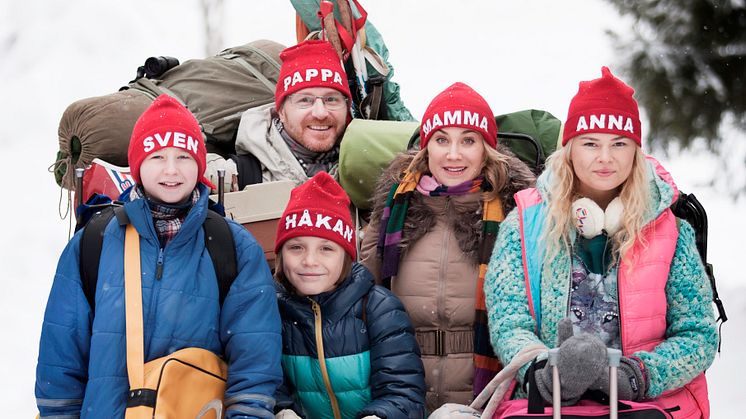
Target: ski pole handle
pixel 556 388
pixel 79 186
pixel 614 356
pixel 221 186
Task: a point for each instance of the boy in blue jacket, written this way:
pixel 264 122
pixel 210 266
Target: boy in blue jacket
pixel 349 349
pixel 82 369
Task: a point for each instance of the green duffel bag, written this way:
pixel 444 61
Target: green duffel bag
pixel 218 89
pixel 367 148
pixel 96 127
pixel 531 134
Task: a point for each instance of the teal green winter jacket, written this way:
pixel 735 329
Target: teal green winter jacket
pixel 372 360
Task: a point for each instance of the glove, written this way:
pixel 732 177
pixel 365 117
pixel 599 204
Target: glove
pixel 286 414
pixel 582 361
pixel 632 384
pixel 454 411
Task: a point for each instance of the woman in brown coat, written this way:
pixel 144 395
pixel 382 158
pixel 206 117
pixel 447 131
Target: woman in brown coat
pixel 435 217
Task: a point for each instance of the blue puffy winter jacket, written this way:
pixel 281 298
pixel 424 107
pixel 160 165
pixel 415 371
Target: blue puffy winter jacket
pixel 373 365
pixel 82 356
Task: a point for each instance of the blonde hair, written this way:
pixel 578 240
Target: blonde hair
pixel 562 192
pixel 495 168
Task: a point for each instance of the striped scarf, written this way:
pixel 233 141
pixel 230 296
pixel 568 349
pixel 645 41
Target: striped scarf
pixel 167 218
pixel 486 364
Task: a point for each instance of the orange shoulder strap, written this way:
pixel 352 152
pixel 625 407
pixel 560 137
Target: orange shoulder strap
pixel 133 307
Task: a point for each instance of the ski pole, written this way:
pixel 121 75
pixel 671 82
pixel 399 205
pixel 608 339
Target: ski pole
pixel 358 62
pixel 345 15
pixel 556 388
pixel 221 186
pixel 614 356
pixel 79 172
pixel 326 14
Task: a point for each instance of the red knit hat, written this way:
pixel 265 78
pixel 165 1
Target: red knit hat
pixel 603 105
pixel 311 63
pixel 166 123
pixel 319 208
pixel 459 106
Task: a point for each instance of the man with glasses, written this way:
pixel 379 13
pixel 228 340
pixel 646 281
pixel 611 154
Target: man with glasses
pixel 298 135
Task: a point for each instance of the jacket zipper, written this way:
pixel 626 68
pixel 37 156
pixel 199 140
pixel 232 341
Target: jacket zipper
pixel 441 293
pixel 322 361
pixel 159 265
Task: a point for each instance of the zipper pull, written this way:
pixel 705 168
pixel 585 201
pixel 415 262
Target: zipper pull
pixel 159 265
pixel 315 307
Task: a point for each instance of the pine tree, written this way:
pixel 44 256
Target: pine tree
pixel 686 60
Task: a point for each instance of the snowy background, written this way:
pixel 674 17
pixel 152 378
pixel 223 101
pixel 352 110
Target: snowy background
pixel 518 54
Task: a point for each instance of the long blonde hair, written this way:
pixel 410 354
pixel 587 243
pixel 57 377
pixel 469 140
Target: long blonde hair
pixel 494 168
pixel 562 191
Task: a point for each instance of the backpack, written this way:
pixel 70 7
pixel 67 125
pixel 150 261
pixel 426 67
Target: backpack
pixel 688 208
pixel 215 89
pixel 218 89
pixel 218 241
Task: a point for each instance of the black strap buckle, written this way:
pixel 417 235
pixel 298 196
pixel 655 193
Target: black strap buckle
pixel 141 397
pixel 440 342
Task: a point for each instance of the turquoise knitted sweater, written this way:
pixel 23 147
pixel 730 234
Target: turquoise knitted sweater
pixel 691 332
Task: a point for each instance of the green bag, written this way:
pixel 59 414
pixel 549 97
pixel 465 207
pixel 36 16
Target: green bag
pixel 96 127
pixel 367 148
pixel 541 126
pixel 219 89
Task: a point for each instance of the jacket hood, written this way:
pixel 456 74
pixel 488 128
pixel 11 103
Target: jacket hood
pixel 257 136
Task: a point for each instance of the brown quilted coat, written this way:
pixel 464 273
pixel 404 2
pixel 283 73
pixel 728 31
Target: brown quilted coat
pixel 438 275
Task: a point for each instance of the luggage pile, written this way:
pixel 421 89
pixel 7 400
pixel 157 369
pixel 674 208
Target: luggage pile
pixel 216 89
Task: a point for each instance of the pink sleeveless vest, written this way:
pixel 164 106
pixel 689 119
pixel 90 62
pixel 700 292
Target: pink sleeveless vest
pixel 642 300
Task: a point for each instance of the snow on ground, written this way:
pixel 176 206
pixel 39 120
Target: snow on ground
pixel 527 54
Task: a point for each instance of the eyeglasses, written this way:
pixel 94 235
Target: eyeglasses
pixel 331 102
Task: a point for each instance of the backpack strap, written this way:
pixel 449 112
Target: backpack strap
pixel 90 251
pixel 218 241
pixel 222 248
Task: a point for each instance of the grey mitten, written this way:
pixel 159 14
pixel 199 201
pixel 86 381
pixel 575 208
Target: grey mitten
pixel 582 360
pixel 632 384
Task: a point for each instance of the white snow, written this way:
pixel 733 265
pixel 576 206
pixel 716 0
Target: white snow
pixel 519 55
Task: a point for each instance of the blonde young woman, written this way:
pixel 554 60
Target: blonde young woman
pixel 433 225
pixel 596 244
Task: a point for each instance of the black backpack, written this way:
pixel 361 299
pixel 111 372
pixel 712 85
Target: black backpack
pixel 688 208
pixel 218 241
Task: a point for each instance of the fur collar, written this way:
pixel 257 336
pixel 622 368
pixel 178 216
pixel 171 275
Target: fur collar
pixel 465 218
